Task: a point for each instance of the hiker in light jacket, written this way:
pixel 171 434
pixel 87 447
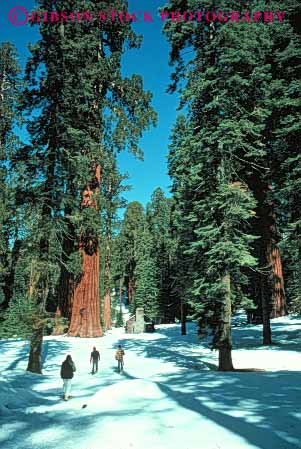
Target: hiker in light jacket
pixel 67 372
pixel 119 357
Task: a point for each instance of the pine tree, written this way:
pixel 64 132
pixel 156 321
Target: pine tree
pixel 118 267
pixel 10 244
pixel 158 215
pixel 233 86
pixel 128 244
pixel 228 80
pixel 179 160
pixel 145 274
pixel 212 235
pixel 17 318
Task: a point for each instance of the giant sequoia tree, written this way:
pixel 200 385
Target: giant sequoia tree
pixel 284 97
pixel 79 104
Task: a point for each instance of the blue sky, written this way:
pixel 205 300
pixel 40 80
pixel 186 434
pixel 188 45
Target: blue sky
pixel 150 61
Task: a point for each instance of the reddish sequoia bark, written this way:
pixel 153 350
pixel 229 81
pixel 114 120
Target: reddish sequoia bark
pixel 278 295
pixel 268 286
pixel 85 309
pixel 274 259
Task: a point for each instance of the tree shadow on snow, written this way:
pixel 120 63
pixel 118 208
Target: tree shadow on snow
pixel 250 337
pixel 21 352
pixel 256 399
pixel 259 407
pixel 264 403
pixel 21 384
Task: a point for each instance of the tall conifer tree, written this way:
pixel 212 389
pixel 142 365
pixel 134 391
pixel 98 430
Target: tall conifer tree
pixel 228 86
pixel 128 243
pixel 158 215
pixel 84 104
pixel 146 278
pixel 10 86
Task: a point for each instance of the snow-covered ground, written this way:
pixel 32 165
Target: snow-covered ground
pixel 170 396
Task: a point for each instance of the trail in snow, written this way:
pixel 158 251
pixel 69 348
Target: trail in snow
pixel 168 398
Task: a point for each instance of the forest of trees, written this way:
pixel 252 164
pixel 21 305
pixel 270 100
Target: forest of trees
pixel 227 237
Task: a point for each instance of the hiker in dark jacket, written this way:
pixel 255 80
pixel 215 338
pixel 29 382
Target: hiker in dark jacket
pixel 95 357
pixel 119 357
pixel 67 372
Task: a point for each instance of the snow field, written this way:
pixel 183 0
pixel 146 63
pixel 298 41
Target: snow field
pixel 170 396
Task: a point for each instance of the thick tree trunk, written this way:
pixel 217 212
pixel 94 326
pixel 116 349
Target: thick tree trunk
pixel 38 293
pixel 269 297
pixel 277 282
pixel 85 311
pixel 225 359
pixel 36 339
pixel 35 354
pixel 85 319
pixel 225 342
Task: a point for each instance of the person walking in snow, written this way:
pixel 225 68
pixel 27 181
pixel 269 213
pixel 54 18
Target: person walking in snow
pixel 119 357
pixel 94 359
pixel 67 372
